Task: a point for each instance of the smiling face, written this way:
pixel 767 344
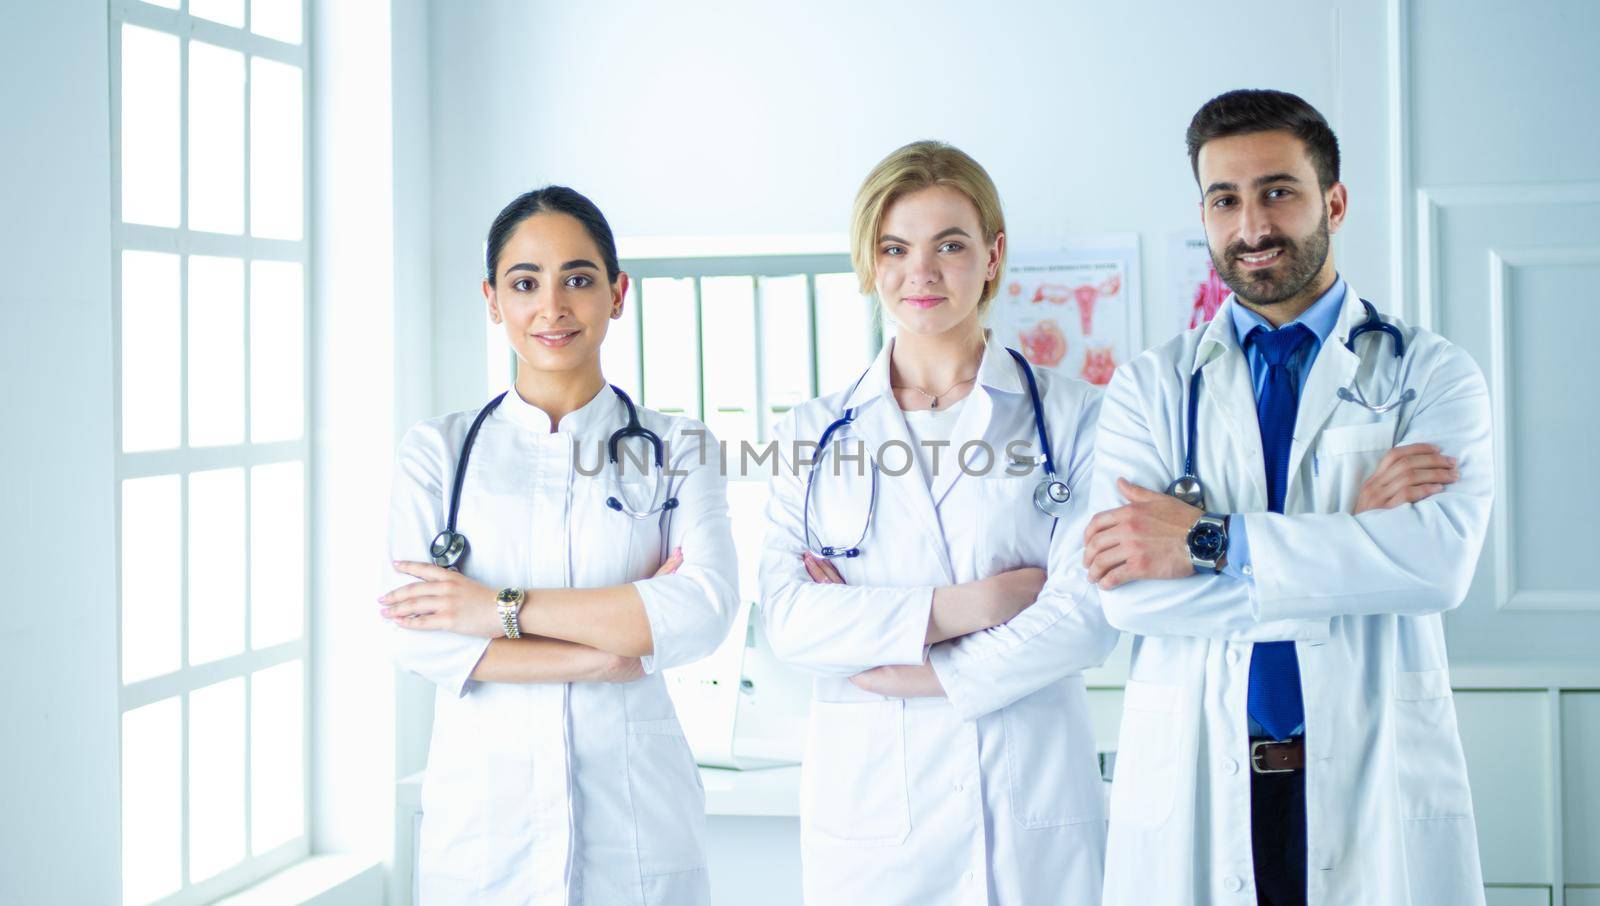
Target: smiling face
pixel 551 294
pixel 1267 221
pixel 932 262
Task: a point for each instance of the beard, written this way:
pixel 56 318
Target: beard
pixel 1300 263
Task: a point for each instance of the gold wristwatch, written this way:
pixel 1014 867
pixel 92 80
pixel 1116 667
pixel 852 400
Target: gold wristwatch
pixel 509 603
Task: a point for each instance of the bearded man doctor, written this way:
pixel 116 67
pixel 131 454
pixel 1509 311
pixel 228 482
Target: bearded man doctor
pixel 1288 732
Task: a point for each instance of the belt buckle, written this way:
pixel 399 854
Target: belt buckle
pixel 1256 756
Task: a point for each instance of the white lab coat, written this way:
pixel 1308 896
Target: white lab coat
pixel 994 794
pixel 1389 814
pixel 579 793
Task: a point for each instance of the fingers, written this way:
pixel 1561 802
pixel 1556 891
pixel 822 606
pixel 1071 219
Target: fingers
pixel 413 591
pixel 1119 576
pixel 1135 493
pixel 412 608
pixel 831 571
pixel 671 564
pixel 1107 560
pixel 821 571
pixel 422 570
pixel 1103 521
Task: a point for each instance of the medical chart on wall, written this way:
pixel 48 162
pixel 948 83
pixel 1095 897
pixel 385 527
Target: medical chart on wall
pixel 1196 292
pixel 1074 309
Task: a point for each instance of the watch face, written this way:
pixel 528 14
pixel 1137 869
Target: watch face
pixel 507 596
pixel 1208 542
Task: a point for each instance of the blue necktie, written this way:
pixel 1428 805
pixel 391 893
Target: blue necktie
pixel 1274 699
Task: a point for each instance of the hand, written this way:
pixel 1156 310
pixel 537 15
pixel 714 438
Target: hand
pixel 1406 475
pixel 445 599
pixel 1147 539
pixel 1011 592
pixel 671 564
pixel 900 682
pixel 822 572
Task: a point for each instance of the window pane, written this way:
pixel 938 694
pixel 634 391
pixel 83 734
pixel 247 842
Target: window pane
pixel 670 381
pixel 150 100
pixel 277 165
pixel 844 331
pixel 277 553
pixel 786 346
pixel 277 764
pixel 150 360
pixel 151 553
pixel 619 355
pixel 228 12
pixel 277 350
pixel 278 19
pixel 216 351
pixel 216 139
pixel 216 564
pixel 151 792
pixel 728 330
pixel 216 778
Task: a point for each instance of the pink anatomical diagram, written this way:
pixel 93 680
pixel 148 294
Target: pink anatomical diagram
pixel 1099 363
pixel 1084 294
pixel 1209 295
pixel 1044 344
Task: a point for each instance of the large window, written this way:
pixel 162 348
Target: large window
pixel 210 252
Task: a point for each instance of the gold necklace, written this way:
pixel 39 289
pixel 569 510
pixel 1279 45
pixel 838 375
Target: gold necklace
pixel 933 398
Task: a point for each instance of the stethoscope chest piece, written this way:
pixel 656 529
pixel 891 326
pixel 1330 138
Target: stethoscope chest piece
pixel 1188 489
pixel 1051 497
pixel 448 549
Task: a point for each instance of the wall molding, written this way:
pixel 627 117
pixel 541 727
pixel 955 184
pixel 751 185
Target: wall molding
pixel 1432 201
pixel 1508 595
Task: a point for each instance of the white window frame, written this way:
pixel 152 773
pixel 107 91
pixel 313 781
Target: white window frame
pixel 185 460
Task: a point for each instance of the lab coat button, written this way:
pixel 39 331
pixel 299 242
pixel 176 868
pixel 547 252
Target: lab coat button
pixel 1248 570
pixel 1230 766
pixel 960 787
pixel 967 876
pixel 1233 656
pixel 1233 884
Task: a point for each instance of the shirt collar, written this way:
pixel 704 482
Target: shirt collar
pixel 526 414
pixel 1322 317
pixel 997 371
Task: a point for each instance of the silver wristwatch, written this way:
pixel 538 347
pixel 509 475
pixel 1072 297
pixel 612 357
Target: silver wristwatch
pixel 1208 542
pixel 509 603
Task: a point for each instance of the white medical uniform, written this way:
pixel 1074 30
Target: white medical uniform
pixel 574 793
pixel 992 795
pixel 1389 813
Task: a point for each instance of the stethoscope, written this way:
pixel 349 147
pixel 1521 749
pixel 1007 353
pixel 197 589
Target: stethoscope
pixel 1188 487
pixel 1050 497
pixel 450 547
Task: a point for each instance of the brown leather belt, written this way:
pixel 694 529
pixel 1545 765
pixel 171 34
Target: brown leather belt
pixel 1269 757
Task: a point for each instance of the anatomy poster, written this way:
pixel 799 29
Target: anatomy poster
pixel 1074 309
pixel 1197 292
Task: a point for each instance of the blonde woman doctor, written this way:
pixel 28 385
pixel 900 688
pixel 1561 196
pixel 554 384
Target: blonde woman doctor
pixel 950 758
pixel 558 773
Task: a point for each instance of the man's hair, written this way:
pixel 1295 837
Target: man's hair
pixel 1249 110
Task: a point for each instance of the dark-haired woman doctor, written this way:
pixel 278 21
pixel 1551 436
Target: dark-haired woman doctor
pixel 558 773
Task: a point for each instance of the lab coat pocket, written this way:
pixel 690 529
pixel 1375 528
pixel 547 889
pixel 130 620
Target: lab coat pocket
pixel 1015 533
pixel 669 802
pixel 1146 780
pixel 1427 747
pixel 1050 757
pixel 1345 457
pixel 853 784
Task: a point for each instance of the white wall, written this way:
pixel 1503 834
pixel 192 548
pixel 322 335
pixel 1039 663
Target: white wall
pixel 762 118
pixel 59 768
